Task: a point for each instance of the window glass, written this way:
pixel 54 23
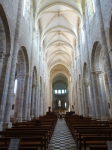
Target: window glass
pixel 65 104
pixel 63 91
pixel 15 86
pixel 24 7
pixel 59 91
pixel 56 92
pixel 93 5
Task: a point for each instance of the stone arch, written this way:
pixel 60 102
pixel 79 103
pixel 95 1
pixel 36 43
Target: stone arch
pixel 22 76
pixel 5 43
pixel 98 69
pixel 5 48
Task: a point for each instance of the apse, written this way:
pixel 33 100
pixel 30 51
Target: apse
pixel 60 93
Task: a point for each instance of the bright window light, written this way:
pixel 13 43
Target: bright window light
pixel 15 86
pixel 63 91
pixel 65 105
pixel 93 5
pixel 55 91
pixel 59 91
pixel 24 7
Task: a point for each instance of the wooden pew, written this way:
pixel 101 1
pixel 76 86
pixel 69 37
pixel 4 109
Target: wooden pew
pixel 80 133
pixel 97 147
pixel 5 141
pixel 40 137
pixel 95 140
pixel 48 134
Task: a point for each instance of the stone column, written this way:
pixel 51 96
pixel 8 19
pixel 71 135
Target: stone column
pixel 21 98
pixel 100 97
pixel 17 99
pixel 70 95
pixel 104 43
pixel 40 110
pixel 29 99
pixel 4 88
pixel 85 99
pixel 108 94
pixel 76 104
pixel 104 98
pixel 96 100
pixel 89 100
pixel 2 56
pixel 25 103
pixel 13 65
pixel 36 102
pixel 83 102
pixel 79 102
pixel 32 101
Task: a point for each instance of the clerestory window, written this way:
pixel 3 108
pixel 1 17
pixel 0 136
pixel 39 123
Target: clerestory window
pixel 24 8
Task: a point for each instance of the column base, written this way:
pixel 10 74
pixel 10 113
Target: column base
pixel 32 116
pixel 90 116
pixel 104 119
pixel 110 117
pixel 24 121
pixel 29 119
pixel 7 125
pixel 93 118
pixel 1 127
pixel 19 119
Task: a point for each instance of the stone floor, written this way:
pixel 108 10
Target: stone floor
pixel 62 138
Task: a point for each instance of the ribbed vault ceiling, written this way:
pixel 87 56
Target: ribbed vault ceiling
pixel 58 21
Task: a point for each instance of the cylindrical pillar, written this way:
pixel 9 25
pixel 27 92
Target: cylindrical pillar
pixel 85 99
pixel 25 103
pixel 32 101
pixel 96 99
pixel 102 107
pixel 21 98
pixel 108 94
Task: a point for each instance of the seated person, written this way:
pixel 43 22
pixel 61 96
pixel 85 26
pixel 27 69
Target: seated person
pixel 61 115
pixel 37 121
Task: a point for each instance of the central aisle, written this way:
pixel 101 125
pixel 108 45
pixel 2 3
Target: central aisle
pixel 62 138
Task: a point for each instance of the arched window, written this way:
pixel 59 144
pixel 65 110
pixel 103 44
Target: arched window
pixel 24 7
pixel 15 86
